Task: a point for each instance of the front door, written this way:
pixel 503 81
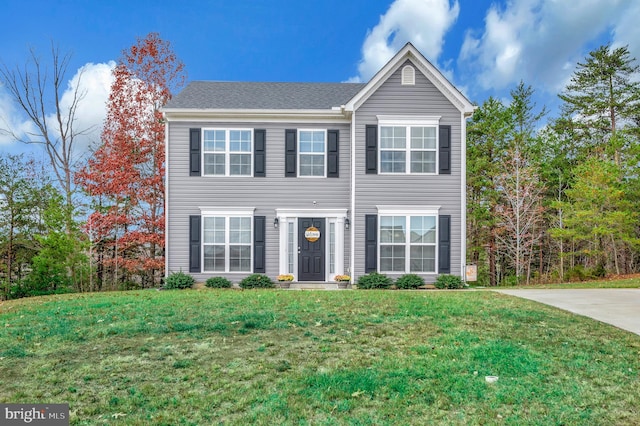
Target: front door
pixel 311 243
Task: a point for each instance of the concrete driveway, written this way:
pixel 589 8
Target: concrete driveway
pixel 616 306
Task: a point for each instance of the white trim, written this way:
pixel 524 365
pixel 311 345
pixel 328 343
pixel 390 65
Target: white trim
pixel 227 243
pixel 298 153
pixel 227 151
pixel 227 211
pixel 283 213
pixel 409 120
pixel 408 210
pixel 463 196
pixel 408 76
pixel 429 71
pixel 353 221
pixel 407 213
pixel 254 115
pixel 166 198
pixel 286 216
pixel 409 123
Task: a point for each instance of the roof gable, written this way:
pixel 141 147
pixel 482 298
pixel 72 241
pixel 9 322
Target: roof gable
pixel 423 65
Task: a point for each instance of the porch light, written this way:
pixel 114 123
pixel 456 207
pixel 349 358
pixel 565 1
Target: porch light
pixel 276 223
pixel 346 223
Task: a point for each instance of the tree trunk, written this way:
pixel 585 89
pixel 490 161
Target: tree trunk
pixel 492 260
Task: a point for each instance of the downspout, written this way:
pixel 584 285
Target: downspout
pixel 463 192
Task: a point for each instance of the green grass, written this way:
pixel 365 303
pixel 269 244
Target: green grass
pixel 316 358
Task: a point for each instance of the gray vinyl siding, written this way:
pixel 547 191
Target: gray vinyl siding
pixel 408 190
pixel 187 193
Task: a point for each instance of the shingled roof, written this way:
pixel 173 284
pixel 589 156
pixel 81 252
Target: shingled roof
pixel 258 95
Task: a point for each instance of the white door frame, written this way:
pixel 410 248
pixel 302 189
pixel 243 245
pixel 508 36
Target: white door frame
pixel 286 216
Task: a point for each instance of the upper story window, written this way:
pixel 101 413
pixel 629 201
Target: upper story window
pixel 408 76
pixel 408 146
pixel 227 152
pixel 312 153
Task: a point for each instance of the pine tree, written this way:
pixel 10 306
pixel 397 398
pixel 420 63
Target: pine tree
pixel 602 99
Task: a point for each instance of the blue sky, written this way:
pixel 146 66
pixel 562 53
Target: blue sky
pixel 483 47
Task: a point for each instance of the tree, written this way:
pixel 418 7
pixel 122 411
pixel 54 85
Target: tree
pixel 520 212
pixel 602 97
pixel 599 218
pixel 17 202
pixel 57 253
pixel 486 150
pixel 126 173
pixel 27 201
pixel 35 88
pixel 520 185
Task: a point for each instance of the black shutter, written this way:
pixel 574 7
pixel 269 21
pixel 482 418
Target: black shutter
pixel 444 244
pixel 259 153
pixel 291 152
pixel 333 164
pixel 259 233
pixel 445 150
pixel 371 243
pixel 371 137
pixel 194 152
pixel 194 243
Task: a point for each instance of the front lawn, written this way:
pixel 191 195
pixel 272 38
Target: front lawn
pixel 323 358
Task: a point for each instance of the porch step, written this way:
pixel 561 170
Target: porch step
pixel 313 286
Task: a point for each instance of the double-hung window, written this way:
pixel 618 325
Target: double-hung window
pixel 409 146
pixel 312 153
pixel 408 242
pixel 227 243
pixel 227 152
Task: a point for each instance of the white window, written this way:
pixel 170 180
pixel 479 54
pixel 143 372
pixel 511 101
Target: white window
pixel 227 243
pixel 312 153
pixel 227 152
pixel 291 241
pixel 408 145
pixel 407 243
pixel 332 247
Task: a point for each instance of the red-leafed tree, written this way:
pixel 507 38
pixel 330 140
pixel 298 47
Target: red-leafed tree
pixel 126 173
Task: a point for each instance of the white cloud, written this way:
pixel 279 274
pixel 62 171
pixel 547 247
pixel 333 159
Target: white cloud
pixel 540 41
pixel 94 84
pixel 627 30
pixel 421 22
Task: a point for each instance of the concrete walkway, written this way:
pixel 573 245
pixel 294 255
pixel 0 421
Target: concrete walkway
pixel 616 306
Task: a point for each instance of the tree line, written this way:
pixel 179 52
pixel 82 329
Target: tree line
pixel 92 224
pixel 548 201
pixel 558 200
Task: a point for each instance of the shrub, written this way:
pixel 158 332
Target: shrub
pixel 577 273
pixel 179 280
pixel 449 281
pixel 410 281
pixel 218 282
pixel 374 280
pixel 597 272
pixel 257 281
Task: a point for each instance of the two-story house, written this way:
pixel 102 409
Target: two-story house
pixel 318 179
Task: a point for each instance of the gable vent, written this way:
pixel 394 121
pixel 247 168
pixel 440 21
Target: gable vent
pixel 408 76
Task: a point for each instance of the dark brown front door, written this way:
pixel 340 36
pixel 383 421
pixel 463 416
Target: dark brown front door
pixel 311 241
